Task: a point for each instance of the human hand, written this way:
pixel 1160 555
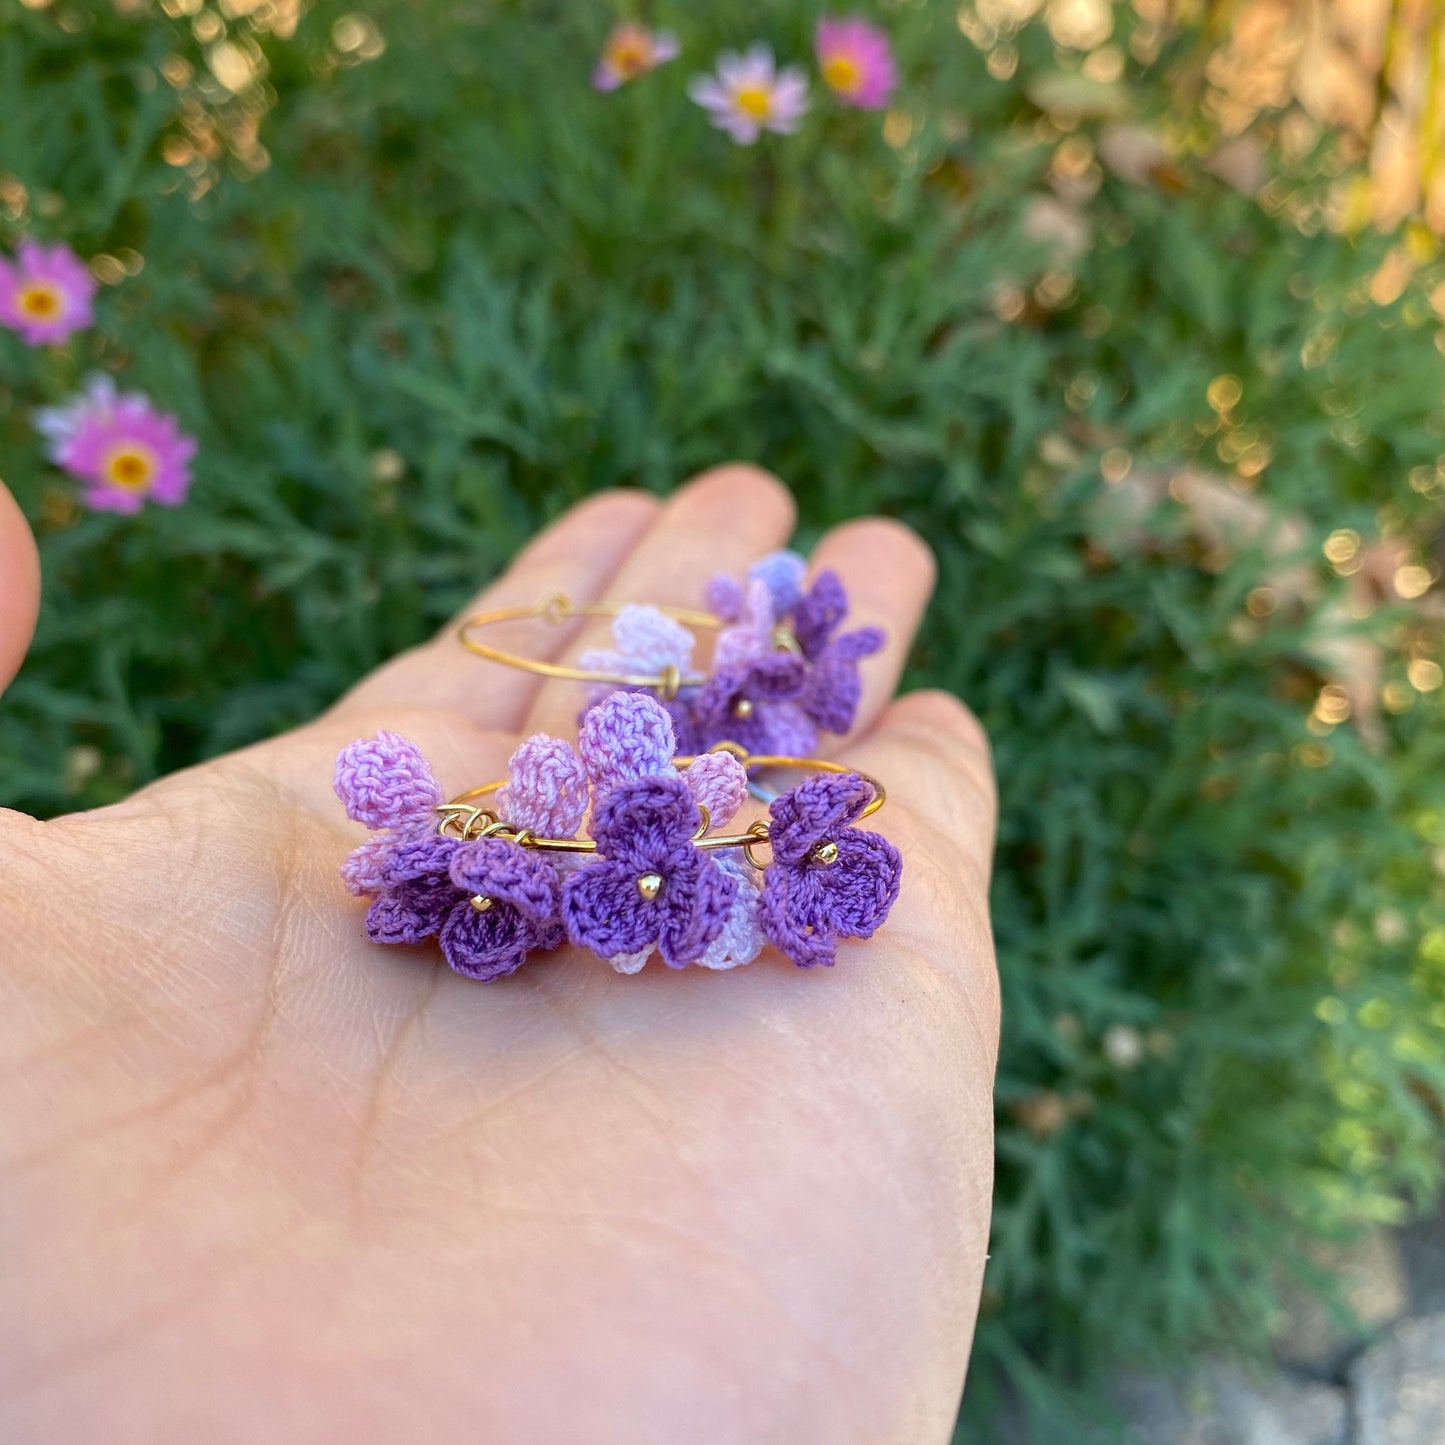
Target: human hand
pixel 261 1180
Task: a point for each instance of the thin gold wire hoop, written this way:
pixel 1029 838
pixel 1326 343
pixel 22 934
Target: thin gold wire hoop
pixel 559 608
pixel 464 806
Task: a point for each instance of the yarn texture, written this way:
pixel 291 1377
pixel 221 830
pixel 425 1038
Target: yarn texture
pixel 430 883
pixel 645 640
pixel 384 780
pixel 807 905
pixel 546 788
pixel 644 829
pixel 626 736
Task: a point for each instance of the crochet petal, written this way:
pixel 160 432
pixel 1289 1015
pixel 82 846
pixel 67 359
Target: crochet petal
pixel 603 910
pixel 719 783
pixel 853 896
pixel 411 912
pixel 384 779
pixel 485 945
pixel 723 597
pixel 507 873
pixel 741 938
pixel 363 870
pixel 782 572
pixel 834 691
pixel 546 788
pixel 818 808
pixel 695 908
pixel 652 639
pixel 861 642
pixel 628 735
pixel 778 677
pixel 785 930
pixel 647 824
pixel 425 857
pixel 819 613
pixel 630 962
pixel 786 729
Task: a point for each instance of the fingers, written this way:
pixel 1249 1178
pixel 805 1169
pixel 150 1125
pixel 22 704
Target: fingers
pixel 889 572
pixel 19 586
pixel 930 753
pixel 721 521
pixel 577 554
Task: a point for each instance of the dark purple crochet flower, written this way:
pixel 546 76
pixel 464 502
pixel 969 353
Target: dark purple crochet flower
pixel 827 879
pixel 491 901
pixel 650 887
pixel 834 686
pixel 740 703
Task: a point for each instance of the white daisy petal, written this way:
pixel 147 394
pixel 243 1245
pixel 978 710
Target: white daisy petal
pixel 706 91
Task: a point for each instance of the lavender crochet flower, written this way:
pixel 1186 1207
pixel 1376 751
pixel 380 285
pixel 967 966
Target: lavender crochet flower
pixel 827 879
pixel 834 686
pixel 644 640
pixel 756 705
pixel 780 572
pixel 650 887
pixel 491 901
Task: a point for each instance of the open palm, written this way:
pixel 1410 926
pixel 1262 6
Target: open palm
pixel 261 1180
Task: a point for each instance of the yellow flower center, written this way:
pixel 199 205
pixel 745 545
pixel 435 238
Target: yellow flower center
pixel 630 57
pixel 131 467
pixel 755 101
pixel 842 72
pixel 40 300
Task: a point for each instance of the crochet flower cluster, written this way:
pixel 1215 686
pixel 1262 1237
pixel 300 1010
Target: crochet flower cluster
pixel 784 668
pixel 491 901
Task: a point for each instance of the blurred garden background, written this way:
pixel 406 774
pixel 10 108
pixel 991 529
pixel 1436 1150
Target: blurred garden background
pixel 1136 311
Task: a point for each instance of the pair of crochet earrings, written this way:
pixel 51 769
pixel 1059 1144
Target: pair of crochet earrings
pixel 620 844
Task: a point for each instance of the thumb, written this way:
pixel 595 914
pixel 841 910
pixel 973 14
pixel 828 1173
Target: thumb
pixel 19 586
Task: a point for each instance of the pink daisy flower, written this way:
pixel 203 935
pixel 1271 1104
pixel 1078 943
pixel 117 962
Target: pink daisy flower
pixel 857 61
pixel 125 451
pixel 46 293
pixel 748 95
pixel 632 50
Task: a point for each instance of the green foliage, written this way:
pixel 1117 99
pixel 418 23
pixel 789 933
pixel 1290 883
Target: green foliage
pixel 466 291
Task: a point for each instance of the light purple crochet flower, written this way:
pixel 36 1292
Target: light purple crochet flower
pixel 781 572
pixel 856 60
pixel 650 887
pixel 632 50
pixel 749 94
pixel 385 783
pixel 121 447
pixel 645 640
pixel 46 293
pixel 827 879
pixel 491 901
